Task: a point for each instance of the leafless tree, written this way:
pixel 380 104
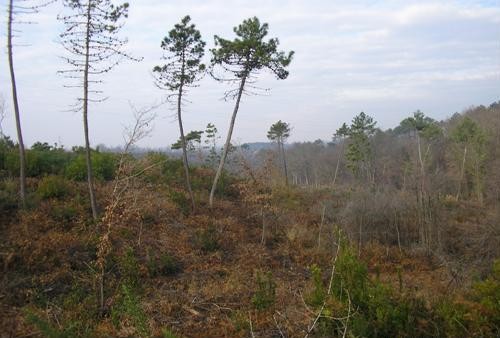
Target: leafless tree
pixel 94 49
pixel 15 9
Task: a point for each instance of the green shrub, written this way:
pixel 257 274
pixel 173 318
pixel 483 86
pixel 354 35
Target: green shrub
pixel 128 309
pixel 240 321
pixel 375 310
pixel 181 200
pixel 487 293
pixel 103 165
pixel 63 213
pixel 166 333
pixel 47 329
pixel 129 268
pixel 207 239
pixel 318 294
pixel 451 318
pixel 265 295
pixel 165 265
pixel 8 196
pixel 53 187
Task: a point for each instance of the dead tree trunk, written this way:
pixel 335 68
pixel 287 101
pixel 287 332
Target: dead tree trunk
pixel 22 156
pixel 88 159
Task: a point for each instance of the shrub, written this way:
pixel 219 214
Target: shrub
pixel 166 333
pixel 265 295
pixel 318 293
pixel 103 165
pixel 47 329
pixel 207 240
pixel 128 310
pixel 129 268
pixel 8 196
pixel 165 265
pixel 63 213
pixel 181 200
pixel 487 293
pixel 373 307
pixel 53 187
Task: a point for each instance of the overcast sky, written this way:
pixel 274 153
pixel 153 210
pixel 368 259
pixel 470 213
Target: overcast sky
pixel 386 58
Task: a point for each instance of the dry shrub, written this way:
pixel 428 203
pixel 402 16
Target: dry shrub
pixel 387 216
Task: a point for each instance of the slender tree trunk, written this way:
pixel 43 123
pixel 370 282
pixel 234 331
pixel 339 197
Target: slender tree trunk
pixel 90 176
pixel 22 156
pixel 338 165
pixel 421 195
pixel 228 141
pixel 478 184
pixel 284 162
pixel 462 173
pixel 183 139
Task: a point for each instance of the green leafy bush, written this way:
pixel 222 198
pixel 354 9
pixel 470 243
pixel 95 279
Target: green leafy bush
pixel 53 187
pixel 103 165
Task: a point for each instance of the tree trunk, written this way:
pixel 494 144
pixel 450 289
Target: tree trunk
pixel 462 173
pixel 478 183
pixel 228 142
pixel 90 177
pixel 284 162
pixel 338 165
pixel 22 156
pixel 183 139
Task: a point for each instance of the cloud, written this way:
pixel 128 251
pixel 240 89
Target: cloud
pixel 387 58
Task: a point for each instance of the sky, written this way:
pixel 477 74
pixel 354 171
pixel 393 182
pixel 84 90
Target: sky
pixel 386 58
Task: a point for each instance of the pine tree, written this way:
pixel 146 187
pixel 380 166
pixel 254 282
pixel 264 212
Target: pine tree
pixel 185 49
pixel 243 58
pixel 279 132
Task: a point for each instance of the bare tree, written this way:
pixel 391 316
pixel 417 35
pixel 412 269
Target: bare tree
pixel 243 58
pixel 94 49
pixel 14 9
pixel 2 114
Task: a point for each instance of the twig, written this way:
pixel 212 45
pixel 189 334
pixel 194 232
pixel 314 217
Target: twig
pixel 321 225
pixel 348 314
pixel 311 328
pixel 251 327
pixel 278 327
